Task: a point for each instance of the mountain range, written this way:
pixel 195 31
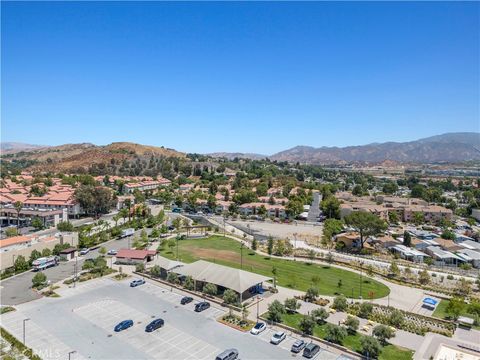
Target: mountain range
pixel 446 148
pixel 450 147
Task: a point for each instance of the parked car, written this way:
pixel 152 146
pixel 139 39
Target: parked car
pixel 137 282
pixel 154 325
pixel 112 252
pixel 84 251
pixel 185 300
pixel 204 305
pixel 298 346
pixel 278 337
pixel 229 354
pixel 258 328
pixel 311 350
pixel 125 324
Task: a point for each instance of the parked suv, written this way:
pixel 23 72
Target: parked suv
pixel 278 337
pixel 229 354
pixel 298 346
pixel 185 300
pixel 204 305
pixel 137 282
pixel 311 350
pixel 154 325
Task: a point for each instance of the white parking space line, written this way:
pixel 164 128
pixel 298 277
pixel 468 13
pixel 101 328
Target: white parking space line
pixel 164 343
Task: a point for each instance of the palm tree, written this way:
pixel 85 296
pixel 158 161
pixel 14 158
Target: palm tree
pixel 115 218
pixel 123 213
pixel 18 207
pixel 128 203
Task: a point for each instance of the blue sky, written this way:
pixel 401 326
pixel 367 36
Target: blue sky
pixel 250 77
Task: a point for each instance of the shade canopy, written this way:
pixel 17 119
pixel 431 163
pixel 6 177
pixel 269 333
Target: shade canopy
pixel 165 263
pixel 230 278
pixel 430 301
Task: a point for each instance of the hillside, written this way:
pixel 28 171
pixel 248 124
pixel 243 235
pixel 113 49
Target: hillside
pixel 231 156
pixel 14 147
pixel 115 158
pixel 451 147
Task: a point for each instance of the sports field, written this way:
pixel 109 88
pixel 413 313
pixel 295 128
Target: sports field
pixel 294 274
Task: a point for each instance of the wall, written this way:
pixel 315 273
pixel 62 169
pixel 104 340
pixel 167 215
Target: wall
pixel 6 258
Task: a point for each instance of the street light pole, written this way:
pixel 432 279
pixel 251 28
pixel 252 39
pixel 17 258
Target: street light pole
pixel 70 353
pixel 241 256
pixel 24 321
pixel 258 302
pixel 13 260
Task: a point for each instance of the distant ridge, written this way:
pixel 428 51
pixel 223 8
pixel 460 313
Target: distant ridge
pixel 13 147
pixel 449 147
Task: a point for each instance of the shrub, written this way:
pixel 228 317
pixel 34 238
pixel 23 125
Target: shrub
pixel 370 346
pixel 365 310
pixel 319 315
pixel 39 279
pixel 352 324
pixel 292 305
pixel 230 296
pixel 210 289
pixel 306 324
pixel 396 318
pixel 382 333
pixel 172 278
pixel 340 303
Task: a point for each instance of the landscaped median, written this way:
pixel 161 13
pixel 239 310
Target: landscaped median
pixel 350 342
pixel 293 274
pixel 16 348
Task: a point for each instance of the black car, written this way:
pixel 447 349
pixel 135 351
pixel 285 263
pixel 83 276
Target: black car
pixel 185 300
pixel 204 305
pixel 311 350
pixel 154 325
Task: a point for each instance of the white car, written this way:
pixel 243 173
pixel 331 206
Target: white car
pixel 258 328
pixel 278 337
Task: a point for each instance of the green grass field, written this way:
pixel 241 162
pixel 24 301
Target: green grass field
pixel 442 314
pixel 294 274
pixel 352 342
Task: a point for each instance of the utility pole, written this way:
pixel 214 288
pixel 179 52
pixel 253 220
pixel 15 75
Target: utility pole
pixel 70 353
pixel 361 279
pixel 24 321
pixel 13 259
pixel 224 229
pixel 258 302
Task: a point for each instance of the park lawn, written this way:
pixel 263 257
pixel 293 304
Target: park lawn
pixel 440 312
pixel 352 342
pixel 292 274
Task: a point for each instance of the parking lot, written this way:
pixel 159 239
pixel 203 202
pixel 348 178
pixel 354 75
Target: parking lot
pixel 83 318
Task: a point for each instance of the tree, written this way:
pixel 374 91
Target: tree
pixel 189 283
pixel 366 223
pixel 335 333
pixel 21 264
pixel 274 272
pixel 407 239
pixel 394 268
pixel 455 307
pixel 382 333
pixel 270 246
pixel 331 207
pixel 34 255
pixel 352 324
pixel 292 305
pixel 37 223
pixel 18 205
pixel 210 289
pixel 102 251
pixel 366 309
pixel 46 252
pixel 254 244
pixel 474 309
pixel 306 324
pixel 369 270
pixel 95 200
pixel 331 227
pixel 172 278
pixel 463 287
pixel 340 303
pixel 370 347
pixel 275 311
pixel 424 277
pixel 156 271
pixel 392 217
pixel 320 315
pixel 418 218
pixel 396 318
pixel 140 267
pixel 39 279
pixel 65 226
pixel 311 294
pixel 230 296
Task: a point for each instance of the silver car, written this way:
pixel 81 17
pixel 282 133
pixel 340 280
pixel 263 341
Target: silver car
pixel 278 337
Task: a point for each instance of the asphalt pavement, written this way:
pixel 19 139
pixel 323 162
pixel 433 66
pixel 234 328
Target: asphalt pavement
pixel 18 289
